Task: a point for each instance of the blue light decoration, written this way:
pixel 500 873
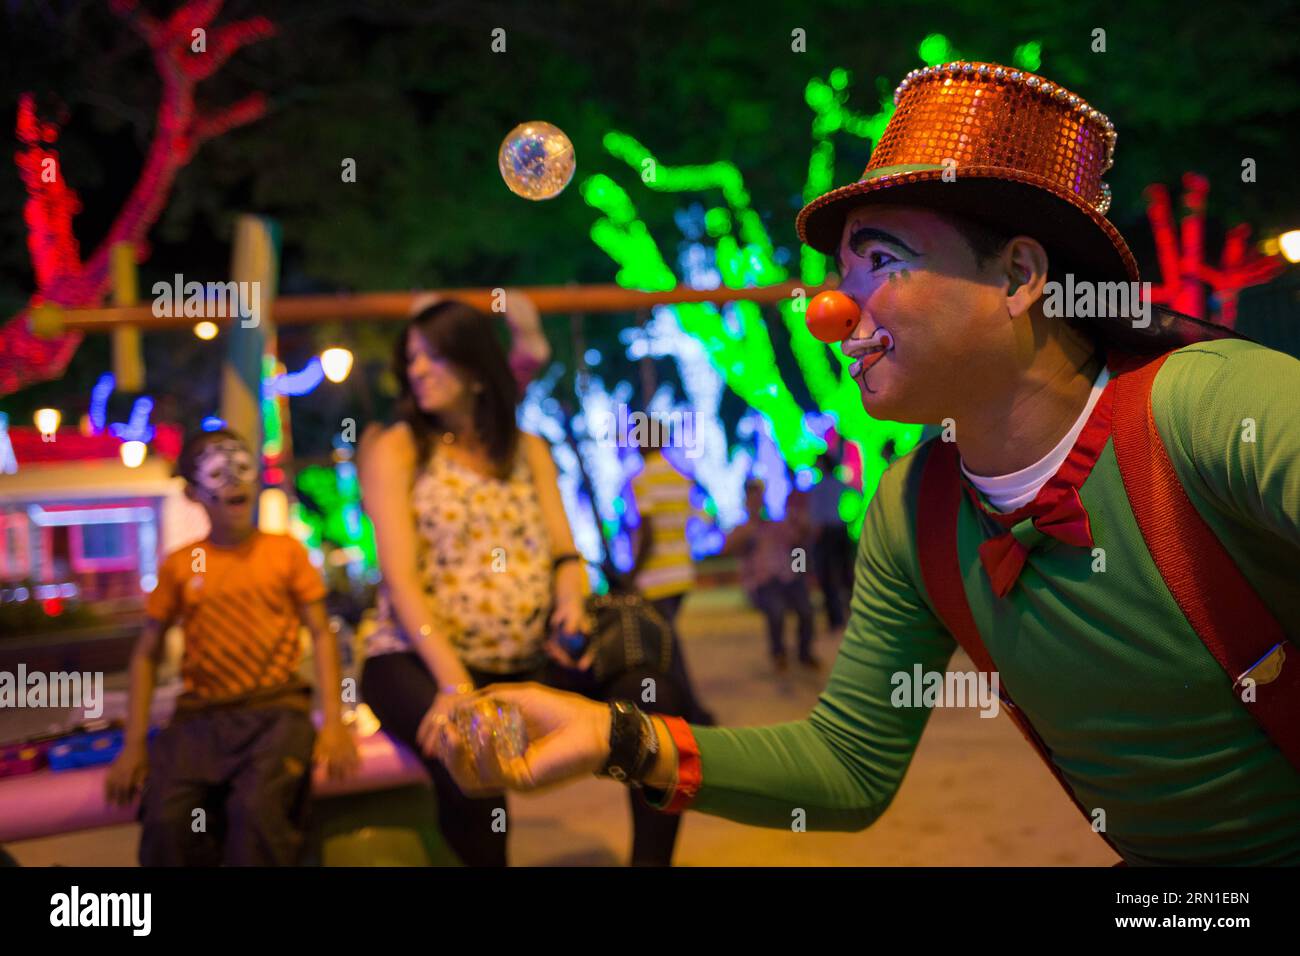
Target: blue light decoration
pixel 136 427
pixel 295 384
pixel 715 468
pixel 99 396
pixel 212 423
pixel 704 537
pixel 8 461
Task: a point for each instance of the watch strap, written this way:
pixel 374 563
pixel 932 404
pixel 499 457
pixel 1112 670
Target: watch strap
pixel 627 742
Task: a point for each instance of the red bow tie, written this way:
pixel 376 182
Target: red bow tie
pixel 1056 513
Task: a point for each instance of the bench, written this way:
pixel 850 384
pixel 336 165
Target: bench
pixel 51 802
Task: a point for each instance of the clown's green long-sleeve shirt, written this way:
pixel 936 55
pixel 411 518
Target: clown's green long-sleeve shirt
pixel 1137 714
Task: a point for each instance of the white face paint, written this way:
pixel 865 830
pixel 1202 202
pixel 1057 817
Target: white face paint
pixel 224 464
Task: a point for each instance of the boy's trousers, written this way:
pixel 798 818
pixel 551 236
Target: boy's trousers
pixel 228 787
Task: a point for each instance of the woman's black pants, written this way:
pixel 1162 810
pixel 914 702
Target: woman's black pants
pixel 400 691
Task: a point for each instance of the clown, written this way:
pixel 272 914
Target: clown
pixel 1109 521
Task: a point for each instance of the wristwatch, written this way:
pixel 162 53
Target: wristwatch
pixel 633 744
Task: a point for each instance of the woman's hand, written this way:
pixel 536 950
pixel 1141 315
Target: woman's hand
pixel 568 736
pixel 571 586
pixel 570 615
pixel 557 652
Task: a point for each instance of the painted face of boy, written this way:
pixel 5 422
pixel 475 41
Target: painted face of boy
pixel 224 464
pixel 225 477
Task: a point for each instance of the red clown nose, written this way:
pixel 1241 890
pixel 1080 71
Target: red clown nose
pixel 831 316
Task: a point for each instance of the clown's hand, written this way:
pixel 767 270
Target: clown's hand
pixel 568 737
pixel 528 341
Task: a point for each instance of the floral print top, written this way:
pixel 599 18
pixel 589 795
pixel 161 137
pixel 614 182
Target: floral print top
pixel 485 559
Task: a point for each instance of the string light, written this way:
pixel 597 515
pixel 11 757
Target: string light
pixel 136 428
pixel 99 396
pixel 133 453
pixel 295 384
pixel 47 421
pixel 1289 244
pixel 336 363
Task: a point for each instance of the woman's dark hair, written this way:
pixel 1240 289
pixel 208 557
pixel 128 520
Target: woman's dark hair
pixel 467 339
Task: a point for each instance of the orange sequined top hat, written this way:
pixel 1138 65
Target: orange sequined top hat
pixel 1021 153
pixel 1016 152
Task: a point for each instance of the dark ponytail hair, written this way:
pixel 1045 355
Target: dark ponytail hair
pixel 466 338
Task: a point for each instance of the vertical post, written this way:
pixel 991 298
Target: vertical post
pixel 250 340
pixel 646 365
pixel 128 359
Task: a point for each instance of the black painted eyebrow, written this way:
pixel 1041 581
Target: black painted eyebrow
pixel 867 232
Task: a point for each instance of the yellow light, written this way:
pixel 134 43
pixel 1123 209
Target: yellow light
pixel 47 420
pixel 273 511
pixel 133 453
pixel 337 363
pixel 1290 243
pixel 206 330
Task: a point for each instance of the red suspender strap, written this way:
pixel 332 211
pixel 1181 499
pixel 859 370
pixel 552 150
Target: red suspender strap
pixel 936 539
pixel 1209 588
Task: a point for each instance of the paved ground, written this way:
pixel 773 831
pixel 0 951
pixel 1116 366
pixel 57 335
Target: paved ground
pixel 976 795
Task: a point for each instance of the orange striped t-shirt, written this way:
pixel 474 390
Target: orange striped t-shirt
pixel 239 608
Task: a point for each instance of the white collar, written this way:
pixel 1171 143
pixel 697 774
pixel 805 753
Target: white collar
pixel 1017 489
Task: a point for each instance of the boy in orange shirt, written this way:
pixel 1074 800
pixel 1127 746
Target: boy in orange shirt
pixel 241 743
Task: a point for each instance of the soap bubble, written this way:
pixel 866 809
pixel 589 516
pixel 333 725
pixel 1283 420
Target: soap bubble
pixel 536 160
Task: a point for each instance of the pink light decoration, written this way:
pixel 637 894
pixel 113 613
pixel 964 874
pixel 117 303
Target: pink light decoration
pixel 61 276
pixel 1184 273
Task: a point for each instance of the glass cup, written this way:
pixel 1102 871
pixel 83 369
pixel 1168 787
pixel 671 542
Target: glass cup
pixel 494 732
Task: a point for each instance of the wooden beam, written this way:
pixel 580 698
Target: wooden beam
pixel 369 306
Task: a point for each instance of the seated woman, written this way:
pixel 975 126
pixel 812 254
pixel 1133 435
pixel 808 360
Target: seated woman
pixel 480 570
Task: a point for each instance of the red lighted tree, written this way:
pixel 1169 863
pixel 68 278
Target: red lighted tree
pixel 1184 273
pixel 186 49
